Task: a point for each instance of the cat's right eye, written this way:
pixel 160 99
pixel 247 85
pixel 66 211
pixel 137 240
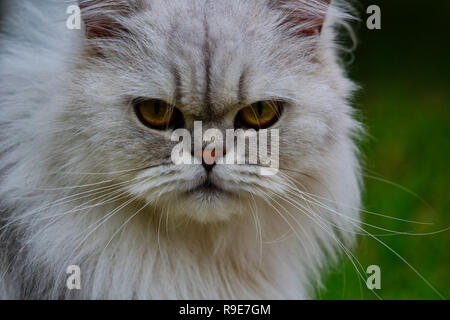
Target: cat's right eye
pixel 158 114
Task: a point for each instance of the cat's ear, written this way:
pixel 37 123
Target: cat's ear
pixel 103 18
pixel 304 17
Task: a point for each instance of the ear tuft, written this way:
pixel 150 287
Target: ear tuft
pixel 304 17
pixel 102 18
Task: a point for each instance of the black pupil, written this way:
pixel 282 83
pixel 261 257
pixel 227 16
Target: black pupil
pixel 259 108
pixel 157 107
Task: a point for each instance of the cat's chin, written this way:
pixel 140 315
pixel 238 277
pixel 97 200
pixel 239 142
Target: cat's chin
pixel 206 203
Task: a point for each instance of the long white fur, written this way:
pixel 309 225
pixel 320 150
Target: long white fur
pixel 67 137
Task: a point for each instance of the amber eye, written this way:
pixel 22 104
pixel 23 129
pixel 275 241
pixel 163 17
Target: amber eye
pixel 259 115
pixel 158 114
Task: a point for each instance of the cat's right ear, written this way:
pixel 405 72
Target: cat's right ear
pixel 303 18
pixel 104 18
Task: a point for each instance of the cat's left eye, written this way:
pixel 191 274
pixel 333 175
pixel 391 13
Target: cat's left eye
pixel 158 114
pixel 259 115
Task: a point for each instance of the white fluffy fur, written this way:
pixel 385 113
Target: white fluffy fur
pixel 66 128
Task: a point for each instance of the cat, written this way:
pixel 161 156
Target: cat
pixel 86 177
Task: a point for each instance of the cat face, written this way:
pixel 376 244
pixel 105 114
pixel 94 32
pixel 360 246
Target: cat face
pixel 209 60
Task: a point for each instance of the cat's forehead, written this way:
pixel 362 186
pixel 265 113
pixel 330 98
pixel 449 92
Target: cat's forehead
pixel 206 50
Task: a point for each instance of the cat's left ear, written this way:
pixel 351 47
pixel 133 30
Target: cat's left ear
pixel 304 17
pixel 103 18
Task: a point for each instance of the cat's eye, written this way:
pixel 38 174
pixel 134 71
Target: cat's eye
pixel 259 115
pixel 158 114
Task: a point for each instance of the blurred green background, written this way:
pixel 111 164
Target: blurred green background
pixel 404 102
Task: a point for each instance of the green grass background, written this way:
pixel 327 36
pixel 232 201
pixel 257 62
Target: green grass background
pixel 404 72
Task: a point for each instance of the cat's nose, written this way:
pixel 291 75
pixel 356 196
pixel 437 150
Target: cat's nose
pixel 209 158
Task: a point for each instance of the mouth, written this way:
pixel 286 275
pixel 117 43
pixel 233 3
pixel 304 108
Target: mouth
pixel 208 202
pixel 208 186
pixel 208 189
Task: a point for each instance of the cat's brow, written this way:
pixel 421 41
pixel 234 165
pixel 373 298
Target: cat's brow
pixel 207 56
pixel 177 80
pixel 241 88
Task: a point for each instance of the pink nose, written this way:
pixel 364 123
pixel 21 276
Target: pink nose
pixel 208 157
